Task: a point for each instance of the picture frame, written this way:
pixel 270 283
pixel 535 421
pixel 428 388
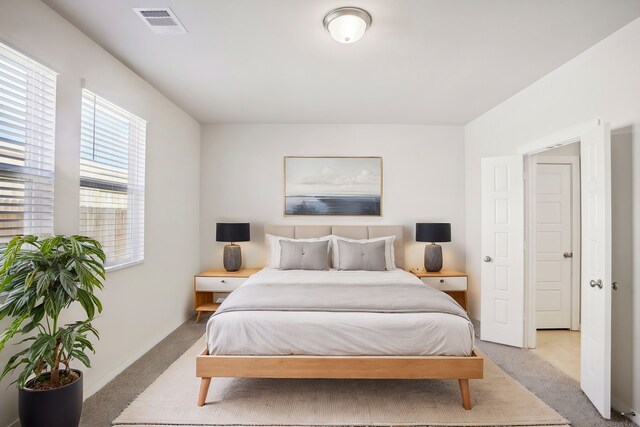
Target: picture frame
pixel 333 186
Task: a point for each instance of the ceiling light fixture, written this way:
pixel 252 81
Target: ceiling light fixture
pixel 347 24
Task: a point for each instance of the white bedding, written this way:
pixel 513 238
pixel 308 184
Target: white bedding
pixel 338 333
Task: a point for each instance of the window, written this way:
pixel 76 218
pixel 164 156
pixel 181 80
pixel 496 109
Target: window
pixel 27 134
pixel 112 152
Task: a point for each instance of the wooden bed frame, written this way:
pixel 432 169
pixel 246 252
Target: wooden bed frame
pixel 345 367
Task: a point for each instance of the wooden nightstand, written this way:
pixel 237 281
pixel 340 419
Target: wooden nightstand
pixel 208 283
pixel 453 283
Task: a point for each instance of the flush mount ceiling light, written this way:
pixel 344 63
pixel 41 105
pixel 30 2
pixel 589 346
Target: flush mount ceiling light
pixel 347 24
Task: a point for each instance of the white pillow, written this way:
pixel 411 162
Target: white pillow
pixel 389 253
pixel 274 249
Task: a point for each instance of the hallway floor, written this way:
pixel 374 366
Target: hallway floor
pixel 561 348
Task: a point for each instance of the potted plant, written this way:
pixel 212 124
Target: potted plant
pixel 42 277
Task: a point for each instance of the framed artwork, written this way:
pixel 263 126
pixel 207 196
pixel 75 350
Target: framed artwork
pixel 333 186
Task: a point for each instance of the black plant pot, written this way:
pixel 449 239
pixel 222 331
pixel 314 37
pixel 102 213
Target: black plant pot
pixel 58 407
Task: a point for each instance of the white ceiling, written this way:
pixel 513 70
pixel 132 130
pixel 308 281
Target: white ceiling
pixel 421 62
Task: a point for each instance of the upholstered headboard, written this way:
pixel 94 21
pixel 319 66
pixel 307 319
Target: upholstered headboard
pixel 349 231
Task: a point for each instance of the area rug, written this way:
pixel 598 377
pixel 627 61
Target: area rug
pixel 498 400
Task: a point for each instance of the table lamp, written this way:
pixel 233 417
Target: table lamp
pixel 433 232
pixel 231 233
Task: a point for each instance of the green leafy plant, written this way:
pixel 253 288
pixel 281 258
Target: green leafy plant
pixel 41 277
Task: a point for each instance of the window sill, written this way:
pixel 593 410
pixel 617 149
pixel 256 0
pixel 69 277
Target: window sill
pixel 122 266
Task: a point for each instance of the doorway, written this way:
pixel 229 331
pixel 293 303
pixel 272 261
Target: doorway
pixel 554 262
pixel 508 261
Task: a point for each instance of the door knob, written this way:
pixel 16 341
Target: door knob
pixel 595 283
pixel 487 259
pixel 568 254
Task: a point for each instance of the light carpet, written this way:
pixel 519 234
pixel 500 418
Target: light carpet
pixel 498 400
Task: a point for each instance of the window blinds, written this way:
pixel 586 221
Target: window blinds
pixel 27 134
pixel 112 158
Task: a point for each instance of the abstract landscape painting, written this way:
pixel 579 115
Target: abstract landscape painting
pixel 333 185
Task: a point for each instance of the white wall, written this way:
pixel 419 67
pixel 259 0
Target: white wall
pixel 160 288
pixel 603 82
pixel 242 180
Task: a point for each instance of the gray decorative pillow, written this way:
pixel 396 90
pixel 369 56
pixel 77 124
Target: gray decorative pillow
pixel 304 255
pixel 361 256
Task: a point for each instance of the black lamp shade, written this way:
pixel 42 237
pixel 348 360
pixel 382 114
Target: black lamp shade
pixel 433 232
pixel 232 232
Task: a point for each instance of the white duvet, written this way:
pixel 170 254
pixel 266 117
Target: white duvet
pixel 338 333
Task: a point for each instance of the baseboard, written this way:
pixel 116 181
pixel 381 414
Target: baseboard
pixel 624 409
pixel 90 391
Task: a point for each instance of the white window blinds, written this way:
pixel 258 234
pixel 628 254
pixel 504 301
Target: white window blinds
pixel 112 155
pixel 27 134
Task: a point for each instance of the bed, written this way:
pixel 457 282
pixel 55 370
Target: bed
pixel 339 324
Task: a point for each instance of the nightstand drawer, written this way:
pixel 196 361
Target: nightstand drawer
pixel 219 284
pixel 446 283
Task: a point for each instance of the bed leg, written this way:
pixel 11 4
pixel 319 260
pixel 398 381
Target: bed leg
pixel 204 389
pixel 466 396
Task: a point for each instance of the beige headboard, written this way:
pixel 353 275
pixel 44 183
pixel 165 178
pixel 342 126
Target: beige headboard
pixel 349 231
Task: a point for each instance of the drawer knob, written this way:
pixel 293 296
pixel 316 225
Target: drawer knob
pixel 441 280
pixel 222 281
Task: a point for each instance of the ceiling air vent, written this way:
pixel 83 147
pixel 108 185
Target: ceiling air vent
pixel 160 20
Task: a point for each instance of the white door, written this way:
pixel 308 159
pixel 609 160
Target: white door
pixel 553 246
pixel 502 275
pixel 595 370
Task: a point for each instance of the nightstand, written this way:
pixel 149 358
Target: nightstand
pixel 452 283
pixel 209 283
